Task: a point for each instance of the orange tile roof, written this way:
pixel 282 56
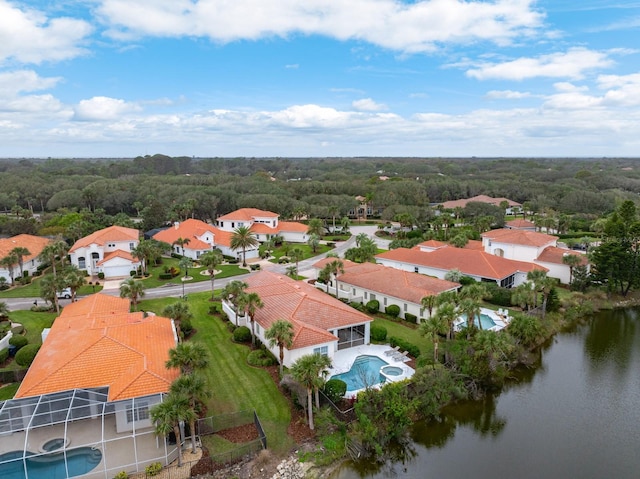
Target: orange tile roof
pixel 467 261
pixel 520 223
pixel 292 226
pixel 311 311
pixel 97 342
pixel 394 282
pixel 191 229
pixel 474 244
pixel 431 244
pixel 247 214
pixel 35 245
pixel 553 254
pixel 480 199
pixel 106 235
pixel 520 237
pixel 118 254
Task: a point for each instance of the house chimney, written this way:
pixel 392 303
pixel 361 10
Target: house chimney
pixel 176 224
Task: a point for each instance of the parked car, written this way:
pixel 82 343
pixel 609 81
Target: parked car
pixel 64 294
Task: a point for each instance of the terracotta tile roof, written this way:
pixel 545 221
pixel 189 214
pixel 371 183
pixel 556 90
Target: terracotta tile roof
pixel 520 223
pixel 474 244
pixel 433 244
pixel 97 342
pixel 292 226
pixel 106 235
pixel 118 254
pixel 480 199
pixel 520 237
pixel 261 228
pixel 192 229
pixel 247 214
pixel 35 245
pixel 311 311
pixel 468 261
pixel 394 282
pixel 553 254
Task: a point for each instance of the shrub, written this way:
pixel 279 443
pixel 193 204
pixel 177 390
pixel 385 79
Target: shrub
pixel 213 309
pixel 378 333
pixel 18 329
pixel 284 259
pixel 335 389
pixel 357 305
pixel 18 341
pixel 153 469
pixel 100 275
pixel 261 358
pixel 4 354
pixel 373 306
pixel 331 244
pixel 42 309
pixel 242 335
pixel 467 280
pixel 234 261
pixel 186 327
pixel 25 274
pixel 121 475
pixel 499 296
pixel 255 267
pixel 165 276
pixel 26 355
pixel 132 273
pixel 392 310
pixel 405 345
pixel 411 318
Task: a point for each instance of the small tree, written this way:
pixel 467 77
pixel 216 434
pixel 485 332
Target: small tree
pixel 242 238
pixel 280 334
pixel 179 312
pixel 132 289
pixel 210 260
pixel 250 302
pixel 20 252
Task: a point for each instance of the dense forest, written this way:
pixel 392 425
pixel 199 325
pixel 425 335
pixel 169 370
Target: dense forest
pixel 161 188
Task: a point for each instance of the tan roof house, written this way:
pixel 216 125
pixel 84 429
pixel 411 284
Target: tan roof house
pixel 107 251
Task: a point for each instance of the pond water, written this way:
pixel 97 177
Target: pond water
pixel 577 415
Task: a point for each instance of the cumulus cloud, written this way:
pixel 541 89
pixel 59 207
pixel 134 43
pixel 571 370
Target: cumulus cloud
pixel 416 26
pixel 570 64
pixel 101 108
pixel 14 82
pixel 367 104
pixel 28 36
pixel 507 95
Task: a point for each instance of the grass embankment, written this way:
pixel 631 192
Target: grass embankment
pixel 235 386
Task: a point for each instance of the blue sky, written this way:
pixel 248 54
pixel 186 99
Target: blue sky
pixel 122 78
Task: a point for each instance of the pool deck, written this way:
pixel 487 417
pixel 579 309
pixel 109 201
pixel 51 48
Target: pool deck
pixel 500 318
pixel 344 359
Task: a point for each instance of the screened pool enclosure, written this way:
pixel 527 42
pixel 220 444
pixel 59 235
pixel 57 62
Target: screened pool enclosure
pixel 79 432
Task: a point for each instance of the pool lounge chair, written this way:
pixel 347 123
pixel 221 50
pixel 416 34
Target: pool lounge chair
pixel 403 356
pixel 391 352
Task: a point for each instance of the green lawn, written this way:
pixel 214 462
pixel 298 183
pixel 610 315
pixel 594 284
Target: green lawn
pixel 403 330
pixel 8 391
pixel 32 290
pixel 308 253
pixel 235 385
pixel 154 281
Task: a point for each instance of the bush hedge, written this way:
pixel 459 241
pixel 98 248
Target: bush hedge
pixel 242 335
pixel 4 354
pixel 357 305
pixel 392 310
pixel 405 345
pixel 27 354
pixel 19 329
pixel 18 341
pixel 186 327
pixel 373 306
pixel 411 318
pixel 261 358
pixel 378 333
pixel 335 389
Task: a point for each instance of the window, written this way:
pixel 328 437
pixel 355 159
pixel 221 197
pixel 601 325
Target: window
pixel 373 297
pixel 139 413
pixel 82 263
pixel 353 291
pixel 324 350
pixel 365 295
pixel 132 246
pixel 415 269
pixel 233 225
pixel 385 301
pixel 405 307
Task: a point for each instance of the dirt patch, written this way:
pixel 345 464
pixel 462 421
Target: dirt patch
pixel 240 434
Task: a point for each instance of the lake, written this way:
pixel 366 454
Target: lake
pixel 576 415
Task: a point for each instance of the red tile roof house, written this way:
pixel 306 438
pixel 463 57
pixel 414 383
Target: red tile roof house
pixel 30 263
pixel 530 246
pixel 91 385
pixel 107 251
pixel 521 224
pixel 321 323
pixel 264 224
pixel 202 237
pixel 364 282
pixel 477 264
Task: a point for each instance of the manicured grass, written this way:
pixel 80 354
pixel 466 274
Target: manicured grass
pixel 308 252
pixel 336 237
pixel 8 391
pixel 235 385
pixel 406 332
pixel 32 290
pixel 154 281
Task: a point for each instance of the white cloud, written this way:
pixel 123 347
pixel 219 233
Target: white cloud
pixel 571 64
pixel 292 66
pixel 28 36
pixel 100 108
pixel 367 104
pixel 507 95
pixel 409 27
pixel 14 82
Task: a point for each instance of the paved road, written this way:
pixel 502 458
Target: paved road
pixel 175 290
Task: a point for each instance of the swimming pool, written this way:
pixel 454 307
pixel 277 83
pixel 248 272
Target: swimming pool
pixel 51 466
pixel 364 372
pixel 485 321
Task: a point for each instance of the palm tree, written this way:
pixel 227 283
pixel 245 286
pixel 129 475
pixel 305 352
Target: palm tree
pixel 243 238
pixel 524 295
pixel 471 308
pixel 448 313
pixel 322 364
pixel 20 252
pixel 537 276
pixel 143 252
pixel 314 242
pixel 306 371
pixel 433 328
pixel 345 223
pixel 167 417
pixel 232 292
pixel 281 334
pixel 249 303
pixel 9 262
pixel 571 260
pixel 210 260
pixel 182 242
pixel 336 267
pixel 296 254
pixel 178 312
pixel 51 251
pixel 333 210
pixel 189 357
pixel 132 289
pixel 428 303
pixel 49 287
pixel 194 387
pixel 73 279
pixel 292 272
pixel 315 227
pixel 4 312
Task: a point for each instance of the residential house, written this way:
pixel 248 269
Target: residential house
pixel 321 323
pixel 264 225
pixel 107 251
pixel 479 265
pixel 512 206
pixel 552 258
pixel 364 282
pixel 521 224
pixel 30 263
pixel 90 387
pixel 198 237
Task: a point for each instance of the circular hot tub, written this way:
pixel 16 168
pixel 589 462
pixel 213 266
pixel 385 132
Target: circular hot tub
pixel 391 371
pixel 54 444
